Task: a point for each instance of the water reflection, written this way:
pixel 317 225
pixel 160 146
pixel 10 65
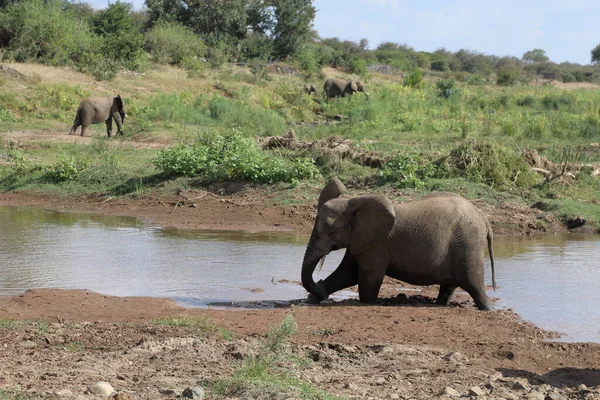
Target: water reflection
pixel 551 281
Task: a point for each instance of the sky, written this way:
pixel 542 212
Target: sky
pixel 567 30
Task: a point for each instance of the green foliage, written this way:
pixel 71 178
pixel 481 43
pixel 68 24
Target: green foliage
pixel 596 54
pixel 44 31
pixel 415 79
pixel 294 19
pixel 403 171
pixel 508 75
pixel 173 43
pixel 535 55
pixel 66 169
pixel 489 163
pixel 121 41
pixel 232 157
pixel 6 115
pixel 447 88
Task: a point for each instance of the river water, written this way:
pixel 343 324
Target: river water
pixel 551 281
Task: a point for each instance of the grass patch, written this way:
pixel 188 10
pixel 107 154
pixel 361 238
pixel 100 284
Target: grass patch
pixel 266 372
pixel 202 324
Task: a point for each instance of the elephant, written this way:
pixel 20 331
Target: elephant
pixel 310 89
pixel 335 87
pixel 436 239
pixel 97 109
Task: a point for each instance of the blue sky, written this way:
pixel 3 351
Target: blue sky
pixel 566 29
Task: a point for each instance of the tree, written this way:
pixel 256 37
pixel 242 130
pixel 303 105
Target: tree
pixel 535 56
pixel 596 54
pixel 293 25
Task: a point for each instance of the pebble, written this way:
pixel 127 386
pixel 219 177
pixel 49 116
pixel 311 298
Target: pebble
pixel 28 344
pixel 103 388
pixel 194 393
pixel 476 391
pixel 535 396
pixel 64 393
pixel 450 392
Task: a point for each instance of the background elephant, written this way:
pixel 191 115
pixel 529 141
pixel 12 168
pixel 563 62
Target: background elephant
pixel 437 239
pixel 335 87
pixel 310 89
pixel 100 109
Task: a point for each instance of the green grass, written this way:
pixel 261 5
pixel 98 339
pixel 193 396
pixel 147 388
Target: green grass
pixel 202 324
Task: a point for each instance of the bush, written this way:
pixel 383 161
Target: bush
pixel 447 88
pixel 173 43
pixel 66 169
pixel 44 32
pixel 403 171
pixel 232 157
pixel 415 79
pixel 507 75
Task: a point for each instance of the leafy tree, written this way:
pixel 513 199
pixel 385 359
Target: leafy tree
pixel 293 28
pixel 122 42
pixel 43 30
pixel 173 43
pixel 535 56
pixel 596 54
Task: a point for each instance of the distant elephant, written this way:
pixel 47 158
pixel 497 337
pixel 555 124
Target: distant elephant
pixel 437 239
pixel 93 110
pixel 335 87
pixel 310 89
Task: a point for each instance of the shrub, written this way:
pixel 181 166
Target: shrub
pixel 507 75
pixel 447 88
pixel 66 169
pixel 415 79
pixel 403 171
pixel 232 157
pixel 44 32
pixel 173 43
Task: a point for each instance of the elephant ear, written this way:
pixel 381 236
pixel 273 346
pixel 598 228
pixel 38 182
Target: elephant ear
pixel 353 86
pixel 372 220
pixel 333 189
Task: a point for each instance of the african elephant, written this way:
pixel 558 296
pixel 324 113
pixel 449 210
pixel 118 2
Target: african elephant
pixel 335 87
pixel 98 109
pixel 310 89
pixel 437 239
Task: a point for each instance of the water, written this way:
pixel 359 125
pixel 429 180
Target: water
pixel 551 281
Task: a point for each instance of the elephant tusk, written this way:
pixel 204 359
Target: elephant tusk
pixel 321 263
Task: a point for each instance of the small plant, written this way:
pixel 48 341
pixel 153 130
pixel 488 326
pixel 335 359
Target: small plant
pixel 447 88
pixel 415 79
pixel 73 347
pixel 403 171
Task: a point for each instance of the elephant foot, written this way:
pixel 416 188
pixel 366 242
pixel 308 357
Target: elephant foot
pixel 313 299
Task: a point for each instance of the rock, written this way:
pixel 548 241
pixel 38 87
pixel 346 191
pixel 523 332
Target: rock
pixel 495 376
pixel 169 392
pixel 120 396
pixel 534 395
pixel 476 391
pixel 519 384
pixel 351 386
pixel 103 388
pixel 194 393
pixel 448 391
pixel 555 396
pixel 28 344
pixel 582 388
pixel 455 356
pixel 64 393
pixel 394 396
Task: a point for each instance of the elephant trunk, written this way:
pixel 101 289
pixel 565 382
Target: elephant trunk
pixel 311 259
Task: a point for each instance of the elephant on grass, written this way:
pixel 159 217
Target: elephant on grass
pixel 93 110
pixel 437 239
pixel 335 87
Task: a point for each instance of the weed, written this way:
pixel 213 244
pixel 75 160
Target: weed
pixel 73 347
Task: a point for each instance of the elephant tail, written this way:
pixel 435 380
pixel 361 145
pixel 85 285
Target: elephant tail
pixel 77 122
pixel 490 242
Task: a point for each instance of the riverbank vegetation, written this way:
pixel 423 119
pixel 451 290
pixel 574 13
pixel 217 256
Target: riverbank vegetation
pixel 210 103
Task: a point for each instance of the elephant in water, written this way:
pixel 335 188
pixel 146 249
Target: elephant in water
pixel 93 110
pixel 335 87
pixel 437 239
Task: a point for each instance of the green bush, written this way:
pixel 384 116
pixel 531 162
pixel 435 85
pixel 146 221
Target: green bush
pixel 44 32
pixel 507 75
pixel 447 88
pixel 66 169
pixel 232 157
pixel 403 171
pixel 415 79
pixel 173 43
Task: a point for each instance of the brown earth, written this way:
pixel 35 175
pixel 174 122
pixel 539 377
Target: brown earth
pixel 402 348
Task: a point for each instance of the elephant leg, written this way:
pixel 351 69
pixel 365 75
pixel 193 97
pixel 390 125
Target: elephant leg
pixel 446 292
pixel 83 129
pixel 119 122
pixel 345 275
pixel 473 282
pixel 73 129
pixel 371 272
pixel 109 127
